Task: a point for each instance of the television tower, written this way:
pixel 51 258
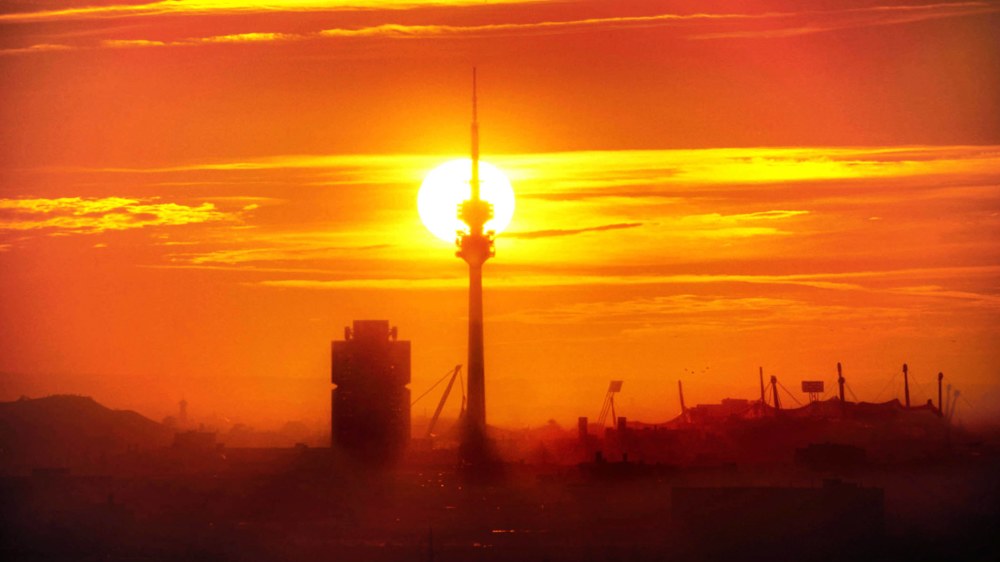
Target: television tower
pixel 475 247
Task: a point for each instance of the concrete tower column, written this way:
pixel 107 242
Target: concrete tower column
pixel 475 247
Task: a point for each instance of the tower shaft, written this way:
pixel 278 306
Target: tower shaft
pixel 476 413
pixel 774 393
pixel 475 247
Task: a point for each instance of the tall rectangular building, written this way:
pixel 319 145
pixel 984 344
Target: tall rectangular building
pixel 371 403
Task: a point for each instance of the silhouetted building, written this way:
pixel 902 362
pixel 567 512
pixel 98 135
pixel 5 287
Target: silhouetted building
pixel 371 403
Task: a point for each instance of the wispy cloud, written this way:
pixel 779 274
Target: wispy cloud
pixel 716 225
pixel 636 305
pixel 582 171
pixel 538 27
pixel 652 210
pixel 308 250
pixel 37 48
pixel 875 16
pixel 249 37
pixel 832 281
pixel 209 7
pixel 87 216
pixel 686 311
pixel 360 283
pixel 411 31
pixel 938 291
pixel 362 164
pixel 782 24
pixel 132 43
pixel 532 234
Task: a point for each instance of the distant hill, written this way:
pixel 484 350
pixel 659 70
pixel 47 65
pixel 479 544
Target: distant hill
pixel 71 432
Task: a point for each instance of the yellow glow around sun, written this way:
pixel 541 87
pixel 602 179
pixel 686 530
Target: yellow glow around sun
pixel 446 186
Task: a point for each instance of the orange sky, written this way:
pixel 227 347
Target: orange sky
pixel 196 196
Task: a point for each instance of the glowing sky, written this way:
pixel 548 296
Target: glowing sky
pixel 196 196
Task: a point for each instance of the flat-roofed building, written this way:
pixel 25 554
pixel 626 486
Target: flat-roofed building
pixel 370 417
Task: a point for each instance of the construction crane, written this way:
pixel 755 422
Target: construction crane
pixel 609 403
pixel 444 398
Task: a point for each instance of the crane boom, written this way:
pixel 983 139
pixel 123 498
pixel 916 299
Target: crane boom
pixel 444 398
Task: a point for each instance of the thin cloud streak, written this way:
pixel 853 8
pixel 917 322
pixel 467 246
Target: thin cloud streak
pixel 717 225
pixel 39 48
pixel 403 31
pixel 132 43
pixel 304 251
pixel 878 16
pixel 585 170
pixel 532 234
pixel 843 19
pixel 684 311
pixel 839 281
pixel 540 281
pixel 236 7
pixel 542 27
pixel 361 162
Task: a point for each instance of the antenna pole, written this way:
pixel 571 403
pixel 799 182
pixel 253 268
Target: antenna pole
pixel 840 383
pixel 940 378
pixel 906 384
pixel 774 392
pixel 680 390
pixel 475 139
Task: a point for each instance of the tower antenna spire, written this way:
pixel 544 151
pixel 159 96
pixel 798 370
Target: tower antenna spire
pixel 474 183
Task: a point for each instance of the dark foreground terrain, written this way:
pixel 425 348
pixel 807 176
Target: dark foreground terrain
pixel 302 504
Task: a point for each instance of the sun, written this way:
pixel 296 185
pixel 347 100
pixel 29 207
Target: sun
pixel 446 186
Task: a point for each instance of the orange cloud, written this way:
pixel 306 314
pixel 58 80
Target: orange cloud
pixel 876 16
pixel 528 235
pixel 204 7
pixel 863 281
pixel 129 43
pixel 558 26
pixel 794 23
pixel 633 206
pixel 315 248
pixel 253 37
pixel 715 225
pixel 38 48
pixel 88 216
pixel 680 312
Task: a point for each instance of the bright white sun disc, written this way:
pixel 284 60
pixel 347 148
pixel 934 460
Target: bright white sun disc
pixel 446 186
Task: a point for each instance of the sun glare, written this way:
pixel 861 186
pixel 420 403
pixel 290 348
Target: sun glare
pixel 446 186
